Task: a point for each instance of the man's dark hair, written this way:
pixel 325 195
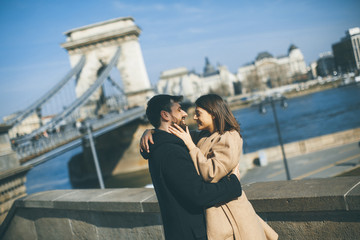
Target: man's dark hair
pixel 159 103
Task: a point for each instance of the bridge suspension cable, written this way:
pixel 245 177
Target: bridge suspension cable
pixel 116 85
pixel 78 102
pixel 36 105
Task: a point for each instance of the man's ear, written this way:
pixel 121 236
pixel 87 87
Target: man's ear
pixel 165 115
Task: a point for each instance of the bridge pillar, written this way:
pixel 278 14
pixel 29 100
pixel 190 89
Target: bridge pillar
pixel 8 158
pixel 98 42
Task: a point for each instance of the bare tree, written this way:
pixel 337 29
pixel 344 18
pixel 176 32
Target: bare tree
pixel 222 90
pixel 253 82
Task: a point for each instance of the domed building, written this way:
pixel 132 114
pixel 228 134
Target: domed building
pixel 268 71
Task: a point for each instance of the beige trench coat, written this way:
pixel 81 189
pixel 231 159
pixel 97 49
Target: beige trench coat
pixel 215 157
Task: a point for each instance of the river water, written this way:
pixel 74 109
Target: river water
pixel 305 117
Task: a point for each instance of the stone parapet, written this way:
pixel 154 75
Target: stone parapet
pixel 302 209
pixel 309 209
pixel 12 187
pixel 85 214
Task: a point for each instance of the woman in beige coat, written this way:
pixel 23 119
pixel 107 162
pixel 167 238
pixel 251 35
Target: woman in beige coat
pixel 215 155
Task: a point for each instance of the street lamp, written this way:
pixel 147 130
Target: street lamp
pixel 87 128
pixel 262 110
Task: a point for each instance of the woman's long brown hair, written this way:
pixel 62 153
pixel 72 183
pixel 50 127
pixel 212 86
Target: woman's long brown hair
pixel 224 120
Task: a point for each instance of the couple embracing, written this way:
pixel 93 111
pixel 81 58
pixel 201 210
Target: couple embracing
pixel 195 174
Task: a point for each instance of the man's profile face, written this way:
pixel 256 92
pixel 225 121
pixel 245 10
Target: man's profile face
pixel 178 115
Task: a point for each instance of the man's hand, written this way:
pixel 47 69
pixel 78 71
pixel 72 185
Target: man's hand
pixel 145 139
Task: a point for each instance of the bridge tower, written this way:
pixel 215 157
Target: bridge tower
pixel 98 43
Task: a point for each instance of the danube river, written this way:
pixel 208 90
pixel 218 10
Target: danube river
pixel 305 117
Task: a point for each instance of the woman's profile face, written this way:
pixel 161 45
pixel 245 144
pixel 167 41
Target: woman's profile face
pixel 204 119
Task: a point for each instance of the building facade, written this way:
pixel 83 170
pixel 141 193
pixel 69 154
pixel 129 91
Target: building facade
pixel 347 51
pixel 268 71
pixel 326 65
pixel 181 81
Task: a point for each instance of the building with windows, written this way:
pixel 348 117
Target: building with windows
pixel 268 71
pixel 326 64
pixel 347 51
pixel 181 81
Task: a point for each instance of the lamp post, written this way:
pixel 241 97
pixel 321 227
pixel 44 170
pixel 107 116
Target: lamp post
pixel 262 110
pixel 86 128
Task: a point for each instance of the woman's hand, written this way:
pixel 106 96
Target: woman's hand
pixel 236 171
pixel 184 135
pixel 145 139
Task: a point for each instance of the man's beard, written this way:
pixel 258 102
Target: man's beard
pixel 179 122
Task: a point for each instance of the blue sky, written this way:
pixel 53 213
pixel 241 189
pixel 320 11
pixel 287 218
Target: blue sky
pixel 174 34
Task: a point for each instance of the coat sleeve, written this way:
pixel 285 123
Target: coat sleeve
pixel 182 179
pixel 222 158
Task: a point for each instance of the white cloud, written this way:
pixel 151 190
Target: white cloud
pixel 138 7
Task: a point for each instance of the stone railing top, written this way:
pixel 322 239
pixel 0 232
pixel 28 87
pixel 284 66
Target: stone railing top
pixel 107 200
pixel 327 194
pixel 13 173
pixel 330 194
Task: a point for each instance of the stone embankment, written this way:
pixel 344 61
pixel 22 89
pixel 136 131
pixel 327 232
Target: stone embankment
pixel 302 209
pixel 301 147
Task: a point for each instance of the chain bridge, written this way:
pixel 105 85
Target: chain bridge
pixel 106 88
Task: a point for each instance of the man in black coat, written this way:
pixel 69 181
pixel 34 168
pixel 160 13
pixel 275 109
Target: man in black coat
pixel 181 192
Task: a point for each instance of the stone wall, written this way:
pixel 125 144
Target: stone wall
pixel 12 187
pixel 326 208
pixel 303 209
pixel 303 147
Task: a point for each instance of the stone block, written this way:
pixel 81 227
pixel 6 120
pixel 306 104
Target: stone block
pixel 78 200
pixel 353 198
pixel 128 226
pixel 151 204
pixel 52 224
pixel 304 230
pixel 43 199
pixel 21 227
pixel 81 225
pixel 122 200
pixel 304 195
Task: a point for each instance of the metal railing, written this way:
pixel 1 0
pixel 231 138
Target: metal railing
pixel 69 135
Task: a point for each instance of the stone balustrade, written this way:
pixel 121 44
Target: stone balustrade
pixel 303 209
pixel 12 187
